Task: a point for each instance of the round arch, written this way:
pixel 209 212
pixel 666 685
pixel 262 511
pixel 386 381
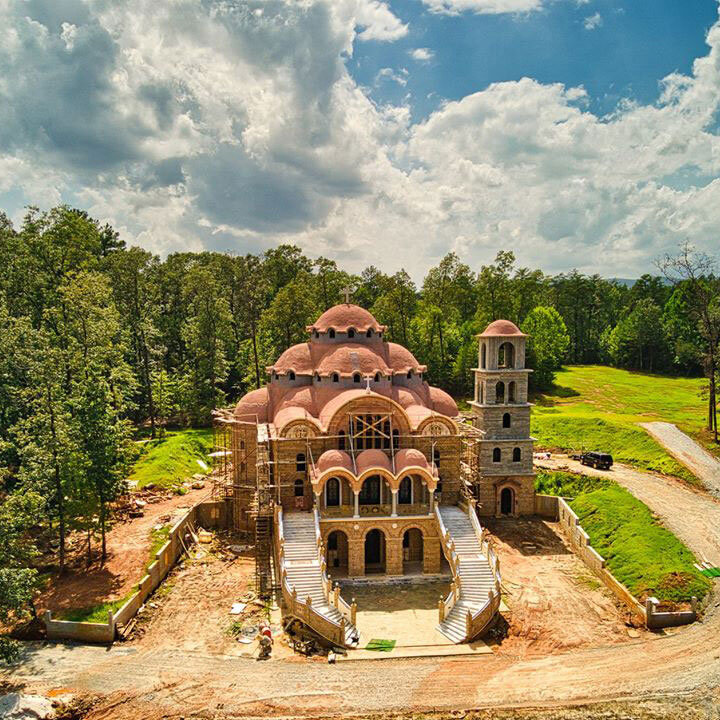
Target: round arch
pixel 337 421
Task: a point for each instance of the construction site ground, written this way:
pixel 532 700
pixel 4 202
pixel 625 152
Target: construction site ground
pixel 567 654
pixel 128 546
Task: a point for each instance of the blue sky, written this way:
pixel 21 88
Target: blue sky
pixel 577 133
pixel 629 46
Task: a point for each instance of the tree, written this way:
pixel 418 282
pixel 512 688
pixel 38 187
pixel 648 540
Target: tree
pixel 18 514
pixel 638 340
pixel 547 344
pixel 696 272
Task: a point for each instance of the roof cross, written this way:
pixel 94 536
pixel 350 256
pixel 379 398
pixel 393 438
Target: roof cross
pixel 347 292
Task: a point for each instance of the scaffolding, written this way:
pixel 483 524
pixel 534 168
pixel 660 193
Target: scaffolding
pixel 470 437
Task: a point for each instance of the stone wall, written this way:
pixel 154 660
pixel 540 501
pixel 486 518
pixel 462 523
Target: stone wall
pixel 393 529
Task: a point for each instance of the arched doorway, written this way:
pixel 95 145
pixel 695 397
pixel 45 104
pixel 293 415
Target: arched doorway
pixel 507 501
pixel 337 553
pixel 374 552
pixel 412 548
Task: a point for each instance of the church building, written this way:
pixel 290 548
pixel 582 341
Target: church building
pixel 347 464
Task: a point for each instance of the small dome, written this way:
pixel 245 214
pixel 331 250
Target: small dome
pixel 346 316
pixel 443 403
pixel 401 359
pixel 409 458
pixel 295 358
pixel 348 358
pixel 332 459
pixel 502 328
pixel 371 459
pixel 253 405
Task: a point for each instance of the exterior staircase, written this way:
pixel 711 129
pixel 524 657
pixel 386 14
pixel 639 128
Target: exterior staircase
pixel 473 567
pixel 304 574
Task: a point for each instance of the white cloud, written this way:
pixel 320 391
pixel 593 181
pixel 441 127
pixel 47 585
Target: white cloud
pixel 230 128
pixel 494 7
pixel 592 22
pixel 421 54
pixel 398 76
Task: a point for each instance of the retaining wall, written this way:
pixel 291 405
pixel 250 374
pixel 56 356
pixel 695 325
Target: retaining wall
pixel 556 508
pixel 209 514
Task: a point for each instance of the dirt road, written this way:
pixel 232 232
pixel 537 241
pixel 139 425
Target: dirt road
pixel 692 515
pixel 696 458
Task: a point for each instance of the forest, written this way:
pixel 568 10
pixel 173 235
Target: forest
pixel 101 343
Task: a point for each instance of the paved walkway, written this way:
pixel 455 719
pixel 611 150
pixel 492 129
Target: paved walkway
pixel 684 449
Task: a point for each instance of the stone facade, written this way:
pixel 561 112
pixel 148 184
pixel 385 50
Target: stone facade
pixel 506 482
pixel 394 532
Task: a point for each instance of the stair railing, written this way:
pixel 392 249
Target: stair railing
pixel 303 609
pixel 447 604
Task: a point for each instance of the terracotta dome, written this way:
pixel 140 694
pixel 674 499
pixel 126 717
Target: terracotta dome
pixel 332 459
pixel 502 328
pixel 371 459
pixel 255 403
pixel 410 458
pixel 295 358
pixel 402 360
pixel 346 316
pixel 349 358
pixel 443 403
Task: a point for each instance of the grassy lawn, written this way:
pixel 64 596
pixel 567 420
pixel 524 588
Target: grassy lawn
pixel 594 407
pixel 96 613
pixel 647 558
pixel 167 462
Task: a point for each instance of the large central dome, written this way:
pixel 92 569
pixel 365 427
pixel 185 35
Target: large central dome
pixel 346 316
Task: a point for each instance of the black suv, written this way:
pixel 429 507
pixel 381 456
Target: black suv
pixel 602 461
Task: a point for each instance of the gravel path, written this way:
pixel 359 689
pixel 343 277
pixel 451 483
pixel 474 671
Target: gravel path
pixel 684 449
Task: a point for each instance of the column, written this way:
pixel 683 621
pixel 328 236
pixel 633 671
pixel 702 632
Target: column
pixel 432 501
pixel 317 501
pixel 394 503
pixel 357 503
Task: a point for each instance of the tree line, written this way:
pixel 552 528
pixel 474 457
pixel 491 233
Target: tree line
pixel 98 339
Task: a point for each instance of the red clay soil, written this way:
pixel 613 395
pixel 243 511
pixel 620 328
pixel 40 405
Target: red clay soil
pixel 556 603
pixel 128 546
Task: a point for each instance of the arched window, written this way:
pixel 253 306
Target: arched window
pixel 405 491
pixel 483 354
pixel 436 457
pixel 291 375
pixel 336 377
pixel 332 492
pixel 317 334
pixel 299 488
pixel 516 455
pixel 351 333
pixel 500 392
pixel 369 333
pixel 300 463
pixel 377 377
pixel 409 375
pixel 341 440
pixel 497 455
pixel 506 355
pixel 331 333
pixel 511 391
pixel 356 378
pixel 317 377
pixel 506 420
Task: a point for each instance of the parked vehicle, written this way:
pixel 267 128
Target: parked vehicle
pixel 601 461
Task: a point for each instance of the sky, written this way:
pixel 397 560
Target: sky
pixel 576 133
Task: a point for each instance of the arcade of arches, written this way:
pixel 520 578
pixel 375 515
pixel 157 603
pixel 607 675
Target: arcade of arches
pixel 374 546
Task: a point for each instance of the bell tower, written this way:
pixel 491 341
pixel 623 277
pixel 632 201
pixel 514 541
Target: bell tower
pixel 506 482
